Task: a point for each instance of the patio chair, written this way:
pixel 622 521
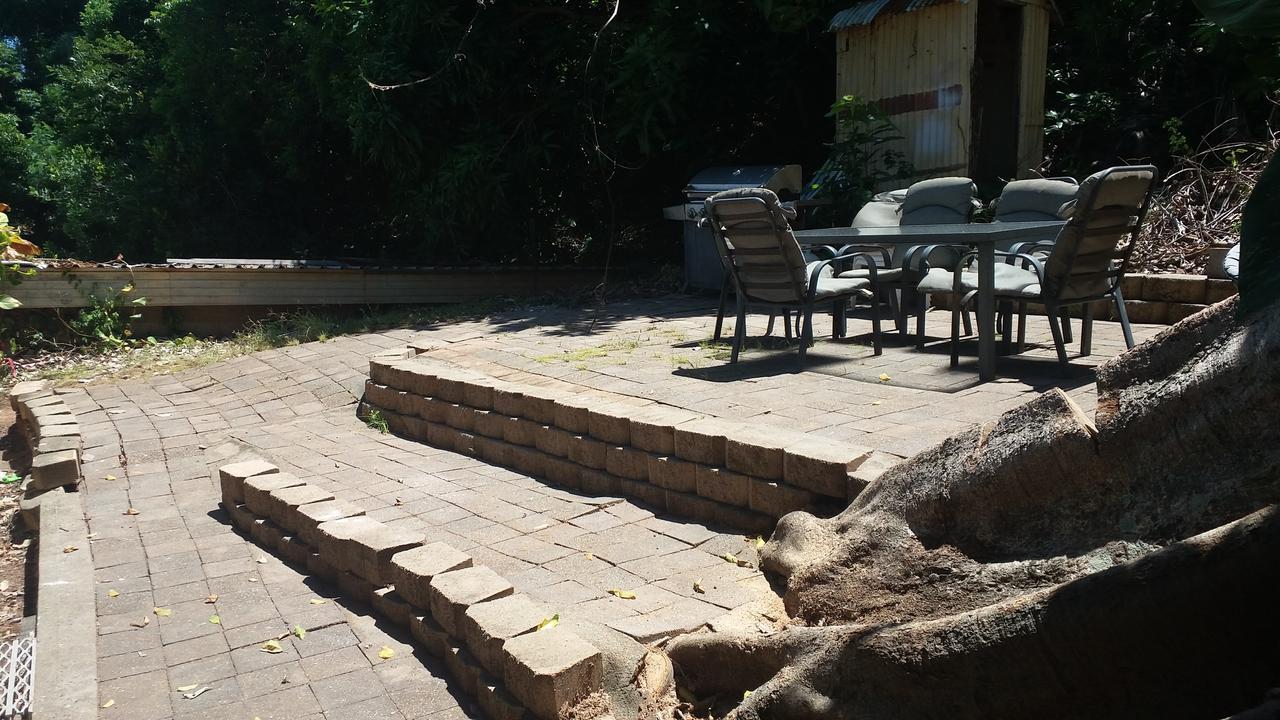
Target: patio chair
pixel 1084 264
pixel 769 271
pixel 939 201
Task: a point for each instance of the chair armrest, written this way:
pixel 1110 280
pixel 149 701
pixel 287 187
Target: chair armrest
pixel 815 270
pixel 1031 246
pixel 917 256
pixel 885 257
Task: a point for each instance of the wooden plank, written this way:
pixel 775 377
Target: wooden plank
pixel 195 287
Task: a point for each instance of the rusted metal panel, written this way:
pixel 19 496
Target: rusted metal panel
pixel 918 67
pixel 864 13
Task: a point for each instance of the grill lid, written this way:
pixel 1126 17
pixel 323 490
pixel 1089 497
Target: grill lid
pixel 777 178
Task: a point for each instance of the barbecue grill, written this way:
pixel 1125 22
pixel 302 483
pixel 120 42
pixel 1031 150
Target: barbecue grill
pixel 702 268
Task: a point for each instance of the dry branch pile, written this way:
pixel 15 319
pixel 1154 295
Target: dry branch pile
pixel 1199 204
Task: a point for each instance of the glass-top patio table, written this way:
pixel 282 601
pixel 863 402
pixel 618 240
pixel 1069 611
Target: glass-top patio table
pixel 981 236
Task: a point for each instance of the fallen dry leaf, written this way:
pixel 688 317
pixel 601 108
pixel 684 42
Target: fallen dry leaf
pixel 162 612
pixel 759 542
pixel 188 688
pixel 697 587
pixel 884 377
pixel 261 561
pixel 386 653
pixel 211 599
pixel 113 593
pixel 215 619
pixel 145 621
pixel 272 646
pixel 548 623
pixel 589 556
pixel 111 477
pixel 108 704
pixel 729 557
pixel 132 511
pixel 197 693
pixel 624 594
pixel 298 632
pixel 317 601
pixel 70 549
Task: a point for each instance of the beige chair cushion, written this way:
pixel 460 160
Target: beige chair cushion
pixel 750 229
pixel 939 201
pixel 1011 281
pixel 830 288
pixel 1032 200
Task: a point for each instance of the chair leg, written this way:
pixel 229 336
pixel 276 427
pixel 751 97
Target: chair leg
pixel 786 323
pixel 1124 318
pixel 838 318
pixel 964 314
pixel 739 331
pixel 909 297
pixel 724 297
pixel 875 326
pixel 1022 326
pixel 1066 324
pixel 806 329
pixel 1053 313
pixel 900 320
pixel 920 322
pixel 1006 326
pixel 955 330
pixel 768 330
pixel 1086 331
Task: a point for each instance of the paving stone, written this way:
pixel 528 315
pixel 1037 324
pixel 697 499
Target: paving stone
pixel 311 515
pixel 587 451
pixel 462 666
pixel 55 469
pixel 573 413
pixel 355 587
pixel 627 462
pixel 508 399
pixel 346 689
pixel 529 461
pixel 258 489
pixel 540 404
pixel 758 451
pixel 28 390
pixel 703 440
pixel 487 626
pixel 610 423
pixel 776 499
pixel 821 465
pixel 55 444
pixel 875 465
pixel 671 473
pixel 653 428
pixel 552 440
pixel 496 702
pixel 723 486
pixel 668 622
pixel 564 472
pixel 519 431
pixel 412 570
pixel 644 492
pixel 451 593
pixel 294 551
pixel 600 484
pixel 367 551
pixel 478 393
pixel 490 424
pixel 333 535
pixel 283 503
pixel 551 670
pixel 429 634
pixel 392 606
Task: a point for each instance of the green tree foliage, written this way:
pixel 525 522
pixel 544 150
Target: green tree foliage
pixel 159 128
pixel 247 127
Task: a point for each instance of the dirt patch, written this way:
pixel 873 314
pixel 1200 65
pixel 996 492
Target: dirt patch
pixel 14 458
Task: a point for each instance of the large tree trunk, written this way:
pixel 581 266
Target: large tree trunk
pixel 1031 567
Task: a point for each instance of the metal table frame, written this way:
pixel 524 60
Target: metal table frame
pixel 982 236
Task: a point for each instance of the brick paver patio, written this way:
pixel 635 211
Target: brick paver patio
pixel 149 446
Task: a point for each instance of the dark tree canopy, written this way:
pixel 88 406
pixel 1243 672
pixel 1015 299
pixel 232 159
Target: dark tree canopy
pixel 159 128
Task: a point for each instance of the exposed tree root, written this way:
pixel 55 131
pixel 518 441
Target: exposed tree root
pixel 1032 567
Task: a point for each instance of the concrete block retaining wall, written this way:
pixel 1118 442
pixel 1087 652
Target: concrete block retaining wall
pixel 706 468
pixel 468 616
pixel 65 682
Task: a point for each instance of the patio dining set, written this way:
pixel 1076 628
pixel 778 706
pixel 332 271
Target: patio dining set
pixel 1050 242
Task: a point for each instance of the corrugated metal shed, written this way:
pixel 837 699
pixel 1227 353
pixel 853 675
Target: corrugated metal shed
pixel 864 13
pixel 962 80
